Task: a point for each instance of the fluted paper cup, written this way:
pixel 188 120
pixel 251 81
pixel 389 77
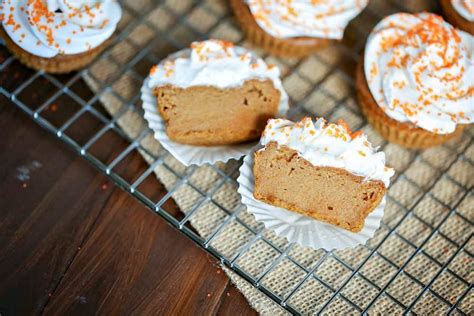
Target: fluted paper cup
pixel 301 229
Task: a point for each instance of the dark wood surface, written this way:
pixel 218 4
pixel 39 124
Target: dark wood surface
pixel 73 243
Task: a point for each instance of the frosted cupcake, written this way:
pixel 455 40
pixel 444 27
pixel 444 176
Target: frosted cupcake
pixel 415 84
pixel 215 93
pixel 58 36
pixel 295 28
pixel 459 13
pixel 323 171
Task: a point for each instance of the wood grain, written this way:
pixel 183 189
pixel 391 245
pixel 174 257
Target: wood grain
pixel 45 217
pixel 73 243
pixel 234 303
pixel 134 262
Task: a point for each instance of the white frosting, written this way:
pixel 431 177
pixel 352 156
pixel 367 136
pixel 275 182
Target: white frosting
pixel 306 18
pixel 52 27
pixel 420 70
pixel 215 63
pixel 465 8
pixel 329 145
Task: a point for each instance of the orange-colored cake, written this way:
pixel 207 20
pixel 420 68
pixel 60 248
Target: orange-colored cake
pixel 414 83
pixel 57 36
pixel 222 117
pixel 216 94
pixel 288 29
pixel 320 170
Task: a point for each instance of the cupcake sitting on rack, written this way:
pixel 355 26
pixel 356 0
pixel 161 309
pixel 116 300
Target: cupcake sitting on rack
pixel 216 93
pixel 58 36
pixel 320 170
pixel 415 83
pixel 295 28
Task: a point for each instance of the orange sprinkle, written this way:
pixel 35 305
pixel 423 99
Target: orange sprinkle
pixel 356 134
pixel 343 123
pixel 373 70
pixel 153 70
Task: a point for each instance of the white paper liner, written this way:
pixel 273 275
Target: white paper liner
pixel 186 154
pixel 301 229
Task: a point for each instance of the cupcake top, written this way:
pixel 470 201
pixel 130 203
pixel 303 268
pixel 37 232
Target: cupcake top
pixel 215 63
pixel 47 28
pixel 305 18
pixel 329 145
pixel 465 8
pixel 420 70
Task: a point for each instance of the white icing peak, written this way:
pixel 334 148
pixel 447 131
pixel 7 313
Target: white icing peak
pixel 306 18
pixel 47 28
pixel 465 8
pixel 329 145
pixel 215 63
pixel 420 70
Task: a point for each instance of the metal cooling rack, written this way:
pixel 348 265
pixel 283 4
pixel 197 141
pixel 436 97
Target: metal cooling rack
pixel 39 93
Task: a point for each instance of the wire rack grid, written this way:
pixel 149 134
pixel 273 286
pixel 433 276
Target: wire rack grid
pixel 369 279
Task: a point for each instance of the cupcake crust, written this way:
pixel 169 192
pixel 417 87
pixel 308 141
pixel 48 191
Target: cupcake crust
pixel 59 64
pixel 289 47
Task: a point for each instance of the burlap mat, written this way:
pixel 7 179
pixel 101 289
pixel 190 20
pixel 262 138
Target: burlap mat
pixel 429 185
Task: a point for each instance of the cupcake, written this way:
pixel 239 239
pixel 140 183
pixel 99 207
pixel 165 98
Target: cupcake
pixel 459 13
pixel 215 93
pixel 415 82
pixel 295 28
pixel 57 36
pixel 320 170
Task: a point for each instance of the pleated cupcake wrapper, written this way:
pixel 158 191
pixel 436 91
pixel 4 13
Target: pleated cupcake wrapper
pixel 272 45
pixel 186 154
pixel 297 228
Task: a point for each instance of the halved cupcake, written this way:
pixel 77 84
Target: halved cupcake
pixel 460 13
pixel 216 93
pixel 57 36
pixel 320 170
pixel 295 28
pixel 415 83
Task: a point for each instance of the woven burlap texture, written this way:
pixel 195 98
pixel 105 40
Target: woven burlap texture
pixel 118 84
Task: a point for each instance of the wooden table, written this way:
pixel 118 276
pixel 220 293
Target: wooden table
pixel 71 242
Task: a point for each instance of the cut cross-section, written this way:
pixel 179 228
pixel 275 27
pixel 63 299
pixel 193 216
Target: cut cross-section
pixel 208 116
pixel 285 179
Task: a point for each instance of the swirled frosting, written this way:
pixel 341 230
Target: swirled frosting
pixel 215 63
pixel 47 28
pixel 420 70
pixel 329 145
pixel 465 8
pixel 316 18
